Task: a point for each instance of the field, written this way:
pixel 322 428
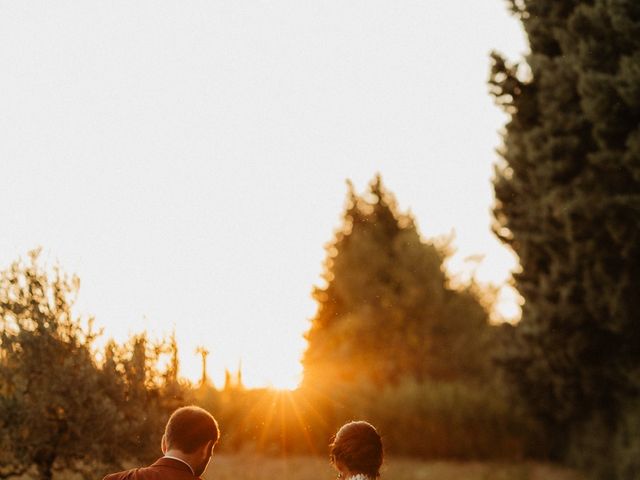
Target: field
pixel 254 467
pixel 250 467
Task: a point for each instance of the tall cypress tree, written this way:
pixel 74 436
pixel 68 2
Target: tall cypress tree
pixel 568 203
pixel 387 311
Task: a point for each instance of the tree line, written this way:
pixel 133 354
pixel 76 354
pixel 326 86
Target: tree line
pixel 392 341
pixel 61 408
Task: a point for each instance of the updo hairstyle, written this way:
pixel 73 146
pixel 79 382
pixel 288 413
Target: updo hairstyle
pixel 358 447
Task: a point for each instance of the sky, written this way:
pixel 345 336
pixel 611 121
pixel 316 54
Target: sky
pixel 187 159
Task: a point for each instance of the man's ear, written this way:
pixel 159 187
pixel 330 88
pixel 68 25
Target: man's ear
pixel 163 444
pixel 209 449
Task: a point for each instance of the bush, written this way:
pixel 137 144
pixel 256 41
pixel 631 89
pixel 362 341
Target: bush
pixel 608 450
pixel 626 444
pixel 427 420
pixel 447 420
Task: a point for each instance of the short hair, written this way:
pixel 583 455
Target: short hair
pixel 189 428
pixel 358 446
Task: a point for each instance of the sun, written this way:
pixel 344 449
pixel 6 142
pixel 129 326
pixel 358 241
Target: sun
pixel 261 370
pixel 273 376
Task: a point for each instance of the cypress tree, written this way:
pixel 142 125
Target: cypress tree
pixel 386 311
pixel 568 203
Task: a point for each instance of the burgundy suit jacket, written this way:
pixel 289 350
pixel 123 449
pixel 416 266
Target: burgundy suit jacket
pixel 163 469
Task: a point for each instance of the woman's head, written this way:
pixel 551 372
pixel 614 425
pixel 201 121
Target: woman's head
pixel 357 448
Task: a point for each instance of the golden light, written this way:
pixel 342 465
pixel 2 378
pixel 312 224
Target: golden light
pixel 275 370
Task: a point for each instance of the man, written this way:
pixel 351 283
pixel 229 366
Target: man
pixel 187 445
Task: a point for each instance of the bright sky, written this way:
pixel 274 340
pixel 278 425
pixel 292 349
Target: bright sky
pixel 187 159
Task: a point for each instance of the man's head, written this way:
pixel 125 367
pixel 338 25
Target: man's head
pixel 190 434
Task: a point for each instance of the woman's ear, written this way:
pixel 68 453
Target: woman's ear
pixel 344 472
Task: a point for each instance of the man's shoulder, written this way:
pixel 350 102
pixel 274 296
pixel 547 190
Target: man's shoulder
pixel 124 475
pixel 152 472
pixel 162 469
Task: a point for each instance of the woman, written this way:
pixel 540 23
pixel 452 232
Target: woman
pixel 356 452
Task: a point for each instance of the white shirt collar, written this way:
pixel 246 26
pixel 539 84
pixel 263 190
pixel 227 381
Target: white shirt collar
pixel 180 460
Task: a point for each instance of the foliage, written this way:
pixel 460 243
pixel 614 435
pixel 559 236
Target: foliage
pixel 568 203
pixel 59 409
pixel 392 342
pixel 387 310
pixel 144 397
pixel 608 452
pixel 55 396
pixel 435 419
pixel 50 397
pixel 430 419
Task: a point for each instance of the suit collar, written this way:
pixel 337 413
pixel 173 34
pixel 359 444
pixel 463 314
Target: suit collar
pixel 173 463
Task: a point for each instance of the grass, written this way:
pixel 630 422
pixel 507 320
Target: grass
pixel 252 467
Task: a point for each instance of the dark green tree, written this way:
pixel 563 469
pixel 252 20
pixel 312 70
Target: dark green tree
pixel 387 311
pixel 568 203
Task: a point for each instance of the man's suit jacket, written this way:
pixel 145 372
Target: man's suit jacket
pixel 163 469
